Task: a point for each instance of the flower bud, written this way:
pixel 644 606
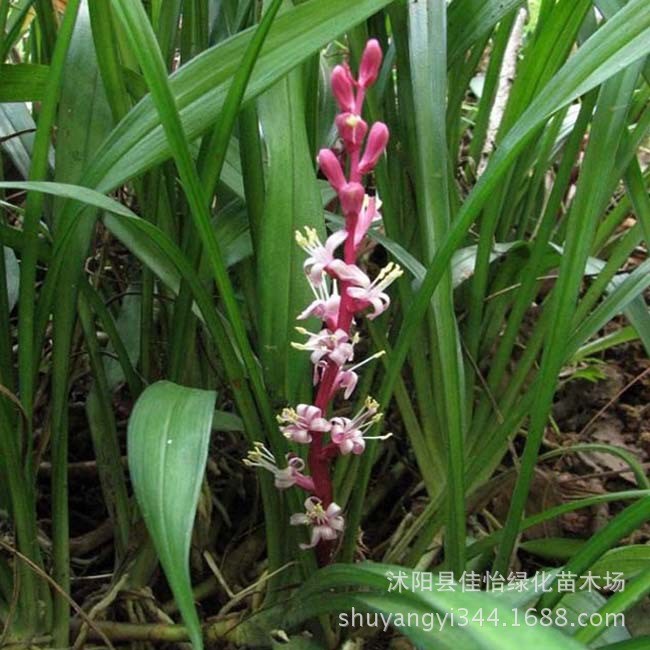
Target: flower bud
pixel 370 63
pixel 352 195
pixel 331 167
pixel 343 88
pixel 352 128
pixel 375 147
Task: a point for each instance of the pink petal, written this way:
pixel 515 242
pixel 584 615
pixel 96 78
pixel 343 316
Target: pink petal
pixel 375 147
pixel 343 88
pixel 299 519
pixel 335 240
pixel 332 169
pixel 370 63
pixel 352 129
pixel 351 196
pixel 348 273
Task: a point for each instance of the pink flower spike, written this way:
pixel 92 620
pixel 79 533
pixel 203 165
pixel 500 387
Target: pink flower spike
pixel 375 147
pixel 331 167
pixel 352 128
pixel 351 195
pixel 299 423
pixel 320 255
pixel 326 524
pixel 343 87
pixel 370 63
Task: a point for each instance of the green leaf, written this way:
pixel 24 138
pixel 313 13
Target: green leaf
pixel 12 272
pixel 84 118
pixel 471 20
pixel 629 560
pixel 584 602
pixel 17 136
pixel 168 437
pixel 292 202
pixel 552 548
pixel 24 82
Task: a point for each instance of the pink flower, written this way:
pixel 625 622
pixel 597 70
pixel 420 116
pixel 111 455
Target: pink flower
pixel 336 346
pixel 331 167
pixel 375 147
pixel 351 196
pixel 320 255
pixel 370 63
pixel 326 306
pixel 326 524
pixel 343 88
pixel 349 434
pixel 367 216
pixel 299 423
pixel 285 478
pixel 352 128
pixel 371 294
pixel 347 378
pixel 348 273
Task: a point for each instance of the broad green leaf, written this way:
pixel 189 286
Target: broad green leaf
pixel 168 438
pixel 292 202
pixel 84 116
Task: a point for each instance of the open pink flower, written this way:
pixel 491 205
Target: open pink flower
pixel 285 478
pixel 371 294
pixel 298 423
pixel 326 523
pixel 320 255
pixel 350 273
pixel 325 306
pixel 348 434
pixel 367 216
pixel 336 346
pixel 347 377
pixel 346 380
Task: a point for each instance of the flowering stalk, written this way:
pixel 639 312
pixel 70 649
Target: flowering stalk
pixel 342 292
